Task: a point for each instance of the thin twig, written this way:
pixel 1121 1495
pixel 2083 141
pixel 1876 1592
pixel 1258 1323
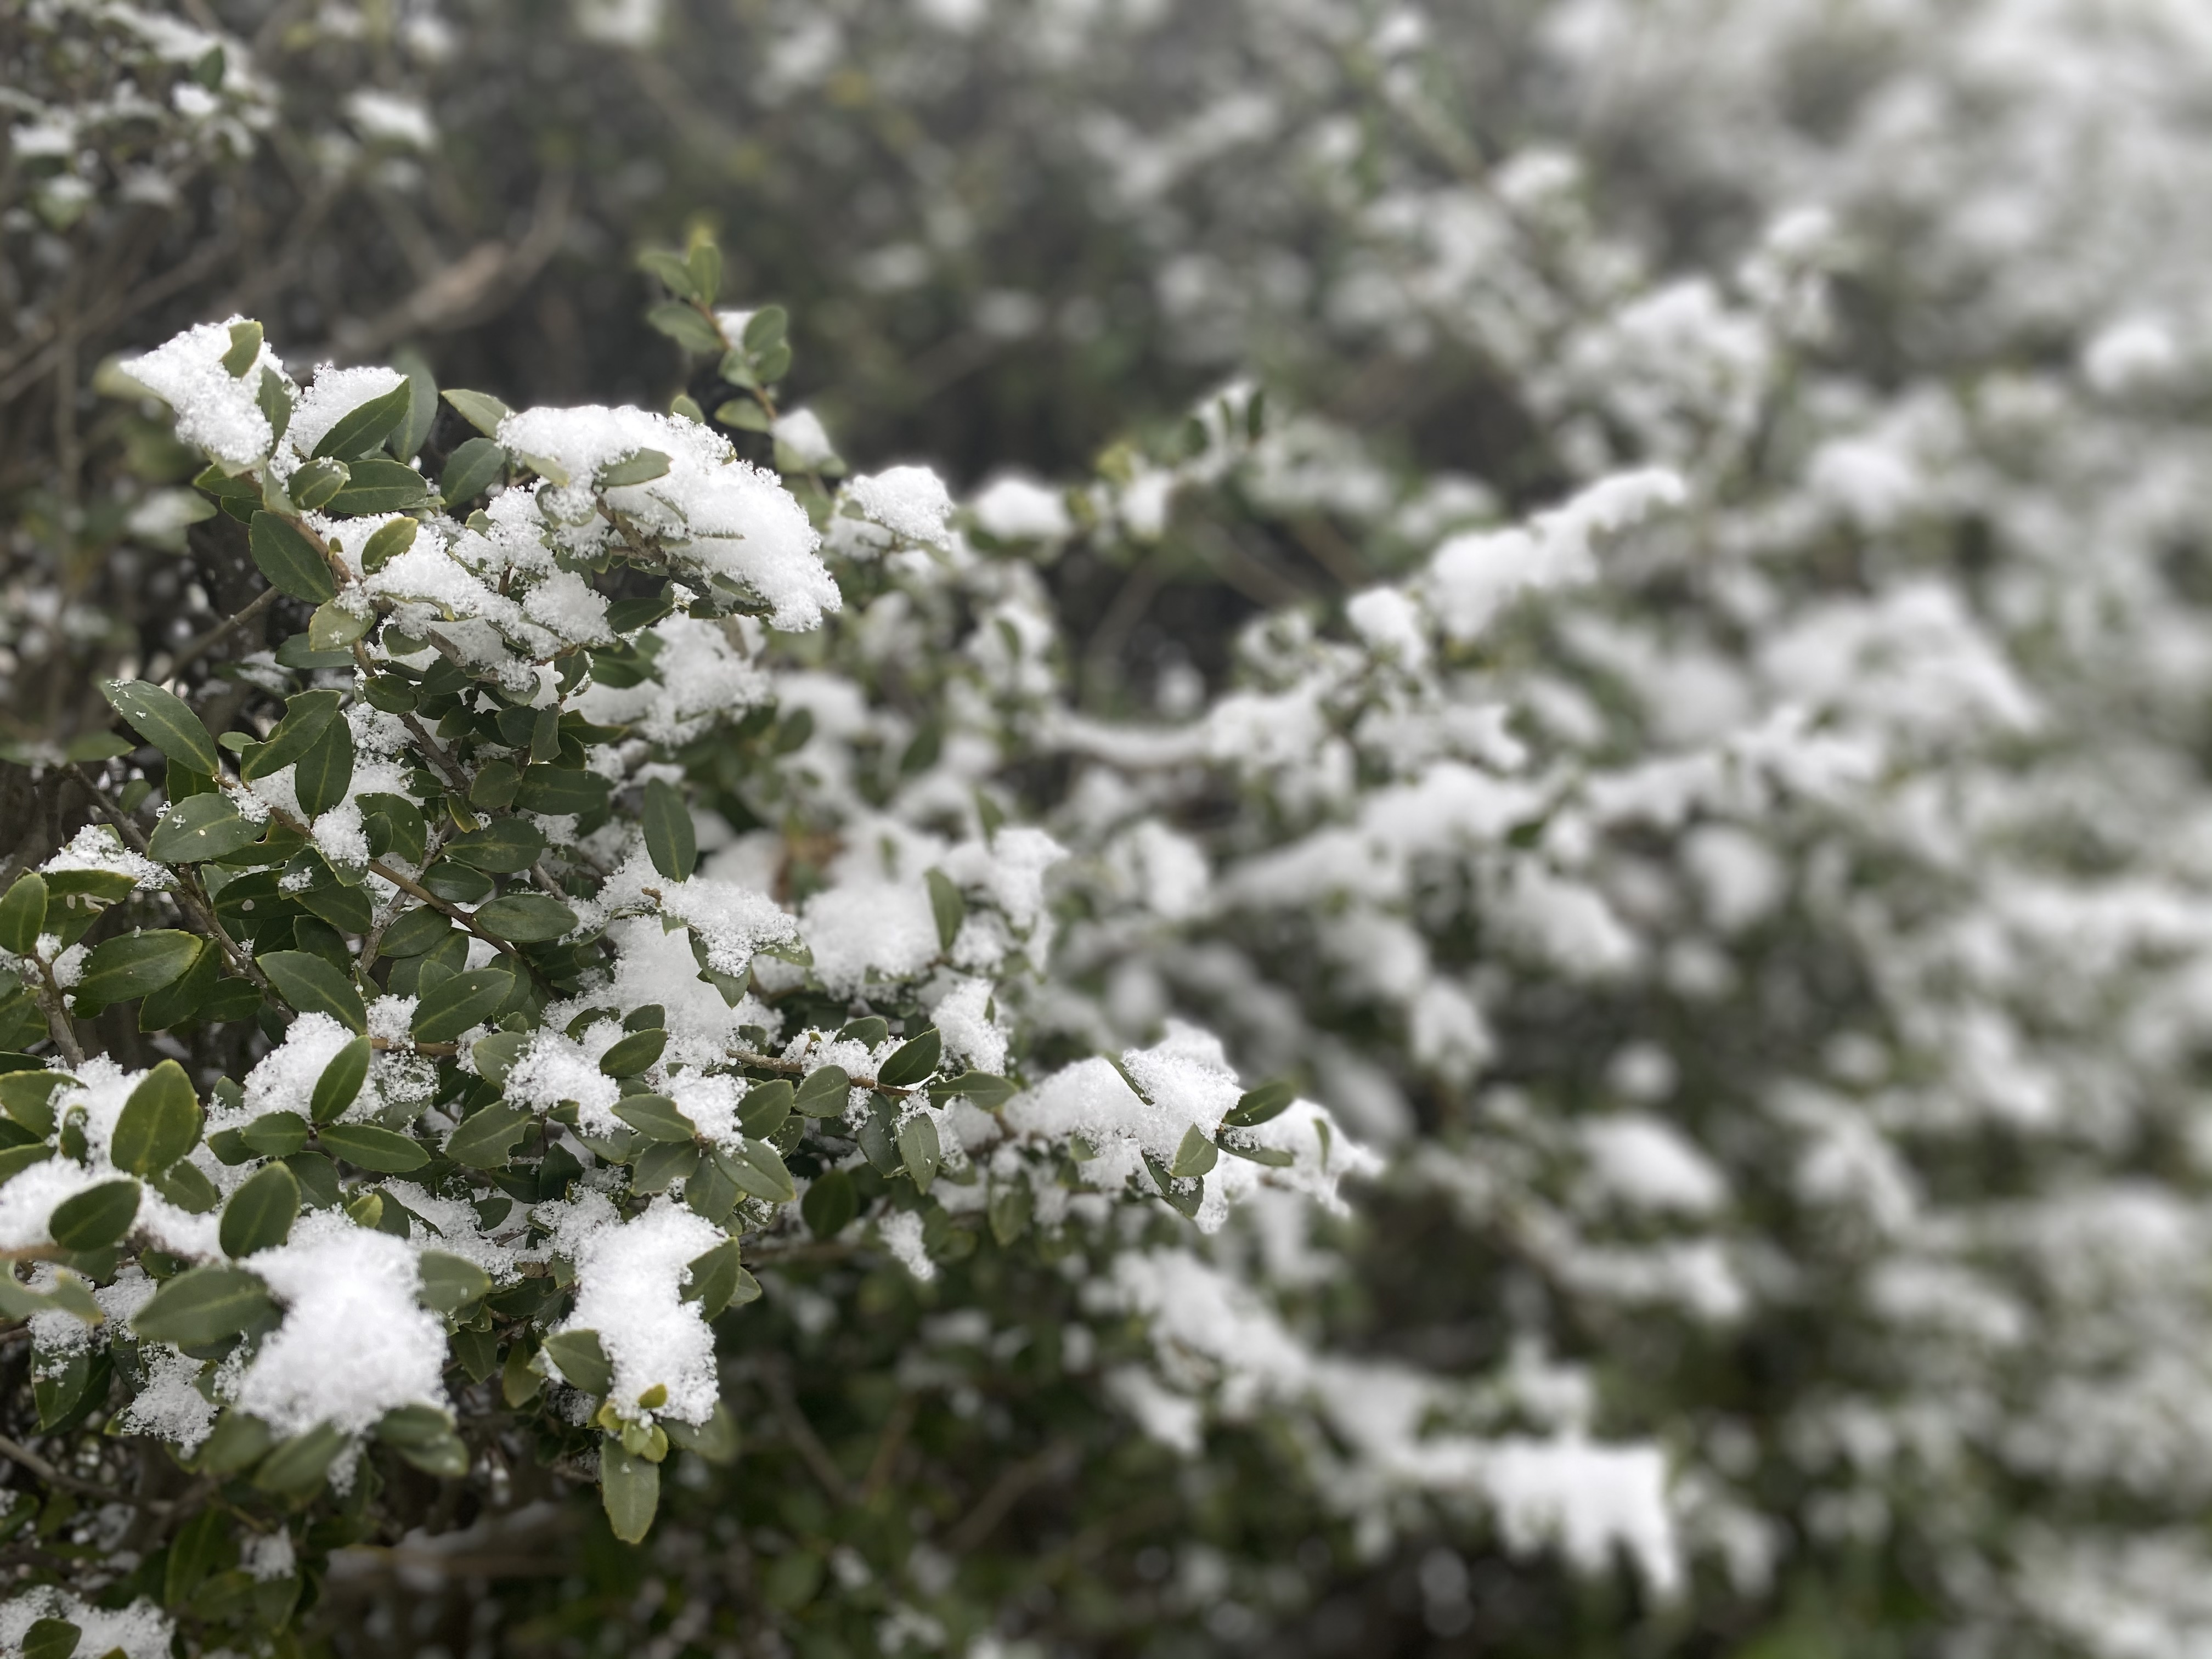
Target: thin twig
pixel 54 1477
pixel 222 630
pixel 811 1451
pixel 1055 1462
pixel 888 1449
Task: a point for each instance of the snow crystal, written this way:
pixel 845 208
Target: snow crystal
pixel 96 847
pixel 629 1282
pixel 907 501
pixel 885 927
pixel 168 1404
pixel 1646 1163
pixel 968 1033
pixel 799 433
pixel 555 1067
pixel 901 1232
pixel 268 1557
pixel 355 1343
pixel 215 410
pixel 1016 508
pixel 389 118
pixel 284 1078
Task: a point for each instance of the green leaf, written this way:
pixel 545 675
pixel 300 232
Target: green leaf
pixel 988 1092
pixel 1260 1105
pixel 361 430
pixel 766 1108
pixel 669 837
pixel 561 789
pixel 947 905
pixel 867 1031
pixel 765 328
pixel 382 1150
pixel 292 563
pixel 322 775
pixel 307 715
pixel 119 970
pixel 162 719
pixel 453 1005
pixel 159 1123
pixel 340 1083
pixel 417 933
pixel 379 486
pixel 581 1361
pixel 275 402
pixel 716 1439
pixel 1241 1145
pixel 313 484
pixel 912 1061
pixel 640 466
pixel 480 410
pixel 527 918
pixel 199 827
pixel 501 847
pixel 96 1218
pixel 16 1159
pixel 1010 1210
pixel 656 1117
pixel 260 1213
pixel 98 746
pixel 295 1469
pixel 245 349
pixel 27 1096
pixel 495 1055
pixel 23 915
pixel 919 1151
pixel 421 405
pixel 275 1135
pixel 57 1638
pixel 823 1093
pixel 634 1054
pixel 184 1186
pixel 387 542
pixel 704 262
pixel 744 414
pixel 773 364
pixel 334 626
pixel 629 1489
pixel 758 1169
pixel 672 270
pixel 312 986
pixel 237 1441
pixel 1183 1196
pixel 830 1204
pixel 487 1138
pixel 713 1278
pixel 451 1282
pixel 684 325
pixel 1194 1156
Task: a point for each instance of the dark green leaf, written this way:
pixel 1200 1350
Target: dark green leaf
pixel 453 1005
pixel 362 430
pixel 629 1489
pixel 312 986
pixel 867 1032
pixel 275 402
pixel 480 410
pixel 830 1204
pixel 334 626
pixel 295 1469
pixel 560 789
pixel 379 486
pixel 581 1360
pixel 487 1138
pixel 713 1278
pixel 307 716
pixel 292 563
pixel 684 325
pixel 159 1123
pixel 325 773
pixel 260 1213
pixel 238 1442
pixel 26 1096
pixel 716 1439
pixel 988 1092
pixel 766 1108
pixel 1195 1155
pixel 421 405
pixel 119 970
pixel 919 1151
pixel 340 1083
pixel 495 1055
pixel 527 918
pixel 184 1186
pixel 655 1117
pixel 451 1282
pixel 275 1135
pixel 23 915
pixel 372 1148
pixel 415 933
pixel 745 415
pixel 669 838
pixel 1260 1105
pixel 758 1169
pixel 912 1061
pixel 200 828
pixel 313 484
pixel 96 1218
pixel 1009 1212
pixel 501 847
pixel 823 1093
pixel 388 541
pixel 1241 1145
pixel 162 719
pixel 662 1164
pixel 765 328
pixel 57 1638
pixel 634 1054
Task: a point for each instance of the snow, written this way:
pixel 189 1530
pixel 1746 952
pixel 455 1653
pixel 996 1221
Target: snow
pixel 910 502
pixel 1014 507
pixel 215 410
pixel 630 1281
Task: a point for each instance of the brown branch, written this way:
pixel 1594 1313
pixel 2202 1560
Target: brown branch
pixel 1055 1462
pixel 54 1477
pixel 222 630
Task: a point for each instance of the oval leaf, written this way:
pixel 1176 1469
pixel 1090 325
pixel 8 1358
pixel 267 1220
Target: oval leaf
pixel 162 719
pixel 313 986
pixel 260 1213
pixel 382 1150
pixel 656 1117
pixel 200 827
pixel 450 1283
pixel 453 1005
pixel 205 1305
pixel 23 915
pixel 487 1138
pixel 634 1054
pixel 579 1359
pixel 158 1124
pixel 119 970
pixel 527 918
pixel 670 839
pixel 292 563
pixel 823 1093
pixel 501 847
pixel 340 1083
pixel 912 1061
pixel 96 1218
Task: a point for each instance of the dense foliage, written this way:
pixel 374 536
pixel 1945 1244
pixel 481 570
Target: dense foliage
pixel 1587 617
